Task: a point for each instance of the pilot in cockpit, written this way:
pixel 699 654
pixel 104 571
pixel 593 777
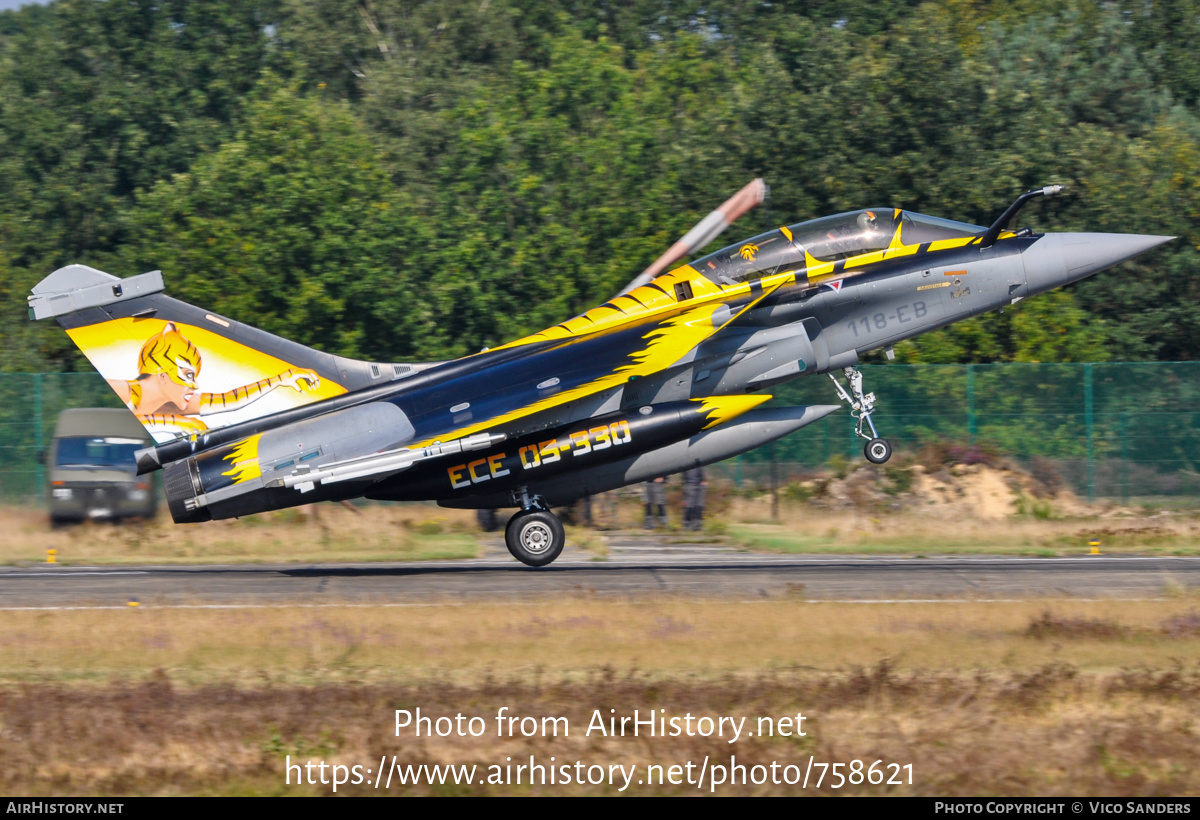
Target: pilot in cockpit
pixel 851 238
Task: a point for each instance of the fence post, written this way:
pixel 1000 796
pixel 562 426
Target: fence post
pixel 774 485
pixel 1089 422
pixel 1124 460
pixel 38 444
pixel 970 405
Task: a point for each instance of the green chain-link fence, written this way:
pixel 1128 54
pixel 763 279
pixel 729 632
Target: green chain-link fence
pixel 1119 430
pixel 1127 430
pixel 29 406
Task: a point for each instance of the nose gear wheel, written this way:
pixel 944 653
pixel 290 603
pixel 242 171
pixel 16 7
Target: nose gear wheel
pixel 877 451
pixel 862 405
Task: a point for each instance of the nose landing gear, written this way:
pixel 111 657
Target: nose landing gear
pixel 534 536
pixel 877 450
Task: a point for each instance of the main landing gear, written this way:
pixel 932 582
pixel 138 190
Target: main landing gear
pixel 534 535
pixel 877 450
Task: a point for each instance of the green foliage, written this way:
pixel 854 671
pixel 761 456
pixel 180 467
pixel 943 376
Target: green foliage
pixel 97 101
pixel 797 490
pixel 1054 329
pixel 1038 508
pixel 408 178
pixel 295 227
pixel 899 478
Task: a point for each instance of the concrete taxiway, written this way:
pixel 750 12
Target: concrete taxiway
pixel 633 566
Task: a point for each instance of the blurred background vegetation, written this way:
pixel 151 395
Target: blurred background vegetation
pixel 396 180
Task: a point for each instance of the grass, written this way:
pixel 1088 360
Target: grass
pixel 1052 731
pixel 466 643
pixel 313 534
pixel 1025 698
pixel 587 540
pixel 806 530
pixel 401 532
pixel 1046 697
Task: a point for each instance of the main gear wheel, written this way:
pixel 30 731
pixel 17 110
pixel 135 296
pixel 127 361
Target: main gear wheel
pixel 535 537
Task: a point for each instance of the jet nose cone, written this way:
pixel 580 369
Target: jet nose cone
pixel 1088 253
pixel 1058 259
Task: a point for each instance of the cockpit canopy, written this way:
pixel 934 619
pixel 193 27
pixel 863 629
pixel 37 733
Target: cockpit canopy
pixel 827 239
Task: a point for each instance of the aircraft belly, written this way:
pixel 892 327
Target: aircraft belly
pixel 535 459
pixel 753 429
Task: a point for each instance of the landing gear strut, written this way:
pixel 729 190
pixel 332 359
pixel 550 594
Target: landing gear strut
pixel 534 535
pixel 877 450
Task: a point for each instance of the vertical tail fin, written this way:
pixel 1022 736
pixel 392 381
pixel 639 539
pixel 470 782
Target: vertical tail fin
pixel 181 369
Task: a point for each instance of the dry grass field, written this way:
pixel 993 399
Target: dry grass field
pixel 801 529
pixel 316 533
pixel 465 643
pixel 1047 697
pixel 414 532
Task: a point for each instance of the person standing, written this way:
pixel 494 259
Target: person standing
pixel 656 503
pixel 695 488
pixel 584 507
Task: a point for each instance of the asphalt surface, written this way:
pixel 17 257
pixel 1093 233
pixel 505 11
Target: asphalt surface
pixel 634 566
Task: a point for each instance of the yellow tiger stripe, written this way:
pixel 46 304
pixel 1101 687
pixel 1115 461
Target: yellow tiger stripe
pixel 901 250
pixel 723 408
pixel 658 296
pixel 181 423
pixel 943 244
pixel 864 259
pixel 665 344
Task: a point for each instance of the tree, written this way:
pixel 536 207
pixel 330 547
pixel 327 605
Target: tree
pixel 294 227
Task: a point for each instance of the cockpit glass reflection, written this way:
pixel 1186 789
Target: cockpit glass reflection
pixel 828 239
pixel 755 258
pixel 846 235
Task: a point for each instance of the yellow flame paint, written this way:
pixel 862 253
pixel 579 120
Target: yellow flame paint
pixel 244 459
pixel 721 409
pixel 665 344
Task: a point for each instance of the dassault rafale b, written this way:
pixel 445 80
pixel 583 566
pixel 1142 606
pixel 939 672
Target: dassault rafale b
pixel 662 377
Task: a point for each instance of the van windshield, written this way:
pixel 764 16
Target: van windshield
pixel 107 451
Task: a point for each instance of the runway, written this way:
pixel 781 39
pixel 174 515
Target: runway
pixel 633 567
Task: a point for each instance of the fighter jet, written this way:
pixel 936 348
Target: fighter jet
pixel 665 376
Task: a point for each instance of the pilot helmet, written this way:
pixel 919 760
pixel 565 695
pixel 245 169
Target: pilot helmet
pixel 868 222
